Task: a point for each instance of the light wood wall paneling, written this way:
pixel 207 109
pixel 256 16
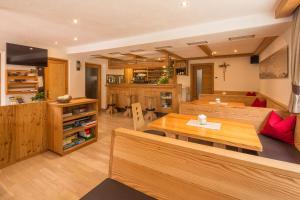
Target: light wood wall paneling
pixel 166 168
pixel 23 132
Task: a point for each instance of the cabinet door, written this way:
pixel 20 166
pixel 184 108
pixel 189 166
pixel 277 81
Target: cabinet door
pixel 56 78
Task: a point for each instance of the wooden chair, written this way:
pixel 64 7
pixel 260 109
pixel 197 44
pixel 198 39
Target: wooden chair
pixel 139 122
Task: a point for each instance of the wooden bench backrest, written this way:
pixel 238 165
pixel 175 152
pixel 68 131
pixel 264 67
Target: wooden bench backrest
pixel 167 168
pixel 228 98
pixel 255 116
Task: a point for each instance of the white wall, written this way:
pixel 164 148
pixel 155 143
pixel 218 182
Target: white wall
pixel 277 89
pixel 240 75
pixel 77 78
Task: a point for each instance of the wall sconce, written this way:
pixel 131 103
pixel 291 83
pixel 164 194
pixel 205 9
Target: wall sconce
pixel 78 65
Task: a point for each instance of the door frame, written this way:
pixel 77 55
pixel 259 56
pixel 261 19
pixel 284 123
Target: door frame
pixel 192 80
pixel 66 75
pixel 99 67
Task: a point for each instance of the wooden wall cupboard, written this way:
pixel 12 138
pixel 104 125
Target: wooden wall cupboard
pixel 72 125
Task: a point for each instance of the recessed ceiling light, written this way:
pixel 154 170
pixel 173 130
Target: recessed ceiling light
pixel 235 51
pixel 75 21
pixel 241 37
pixel 214 53
pixel 31 48
pixel 184 4
pixel 75 38
pixel 56 43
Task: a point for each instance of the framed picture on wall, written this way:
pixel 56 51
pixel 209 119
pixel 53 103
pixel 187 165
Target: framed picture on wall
pixel 275 66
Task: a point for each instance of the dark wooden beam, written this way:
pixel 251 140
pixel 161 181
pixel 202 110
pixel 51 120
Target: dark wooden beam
pixel 206 50
pixel 286 8
pixel 171 54
pixel 264 44
pixel 221 56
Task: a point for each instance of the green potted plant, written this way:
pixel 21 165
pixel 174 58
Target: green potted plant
pixel 40 96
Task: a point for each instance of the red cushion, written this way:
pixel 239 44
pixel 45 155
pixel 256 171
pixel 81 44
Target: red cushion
pixel 281 129
pixel 259 103
pixel 251 94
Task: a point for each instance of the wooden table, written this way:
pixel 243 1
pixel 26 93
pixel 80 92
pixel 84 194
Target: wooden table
pixel 233 133
pixel 228 104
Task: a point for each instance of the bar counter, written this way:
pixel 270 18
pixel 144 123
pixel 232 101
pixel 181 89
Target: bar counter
pixel 165 96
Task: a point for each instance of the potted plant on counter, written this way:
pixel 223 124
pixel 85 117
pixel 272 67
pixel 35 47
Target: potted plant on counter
pixel 40 96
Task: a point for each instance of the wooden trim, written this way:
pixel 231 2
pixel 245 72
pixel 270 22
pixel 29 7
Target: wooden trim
pixel 171 54
pixel 286 8
pixel 221 56
pixel 192 84
pixel 57 59
pixel 99 67
pixel 206 50
pixel 277 104
pixel 134 56
pixel 264 44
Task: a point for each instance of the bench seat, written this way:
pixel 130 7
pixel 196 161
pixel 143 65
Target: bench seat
pixel 110 189
pixel 278 150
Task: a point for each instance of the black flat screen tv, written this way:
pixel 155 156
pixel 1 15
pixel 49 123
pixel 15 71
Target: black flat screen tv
pixel 25 55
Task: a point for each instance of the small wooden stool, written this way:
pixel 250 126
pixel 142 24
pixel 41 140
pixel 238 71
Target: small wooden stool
pixel 150 115
pixel 128 112
pixel 111 106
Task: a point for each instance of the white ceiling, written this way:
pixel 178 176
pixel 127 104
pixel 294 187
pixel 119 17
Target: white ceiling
pixel 45 21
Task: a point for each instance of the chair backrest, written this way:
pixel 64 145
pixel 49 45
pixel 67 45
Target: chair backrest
pixel 166 168
pixel 137 114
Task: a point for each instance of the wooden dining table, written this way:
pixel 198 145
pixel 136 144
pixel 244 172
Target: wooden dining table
pixel 232 133
pixel 227 104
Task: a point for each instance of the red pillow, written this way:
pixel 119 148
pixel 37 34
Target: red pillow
pixel 281 129
pixel 251 94
pixel 259 103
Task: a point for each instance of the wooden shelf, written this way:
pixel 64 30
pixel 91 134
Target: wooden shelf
pixel 22 83
pixel 85 114
pixel 78 129
pixel 21 77
pixel 78 146
pixel 56 134
pixel 21 92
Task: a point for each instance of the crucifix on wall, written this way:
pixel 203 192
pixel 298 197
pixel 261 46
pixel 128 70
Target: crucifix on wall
pixel 224 66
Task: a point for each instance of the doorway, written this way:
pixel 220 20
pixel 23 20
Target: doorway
pixel 93 82
pixel 202 79
pixel 56 78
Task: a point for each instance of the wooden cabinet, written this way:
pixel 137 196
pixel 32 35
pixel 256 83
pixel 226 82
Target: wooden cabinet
pixel 72 125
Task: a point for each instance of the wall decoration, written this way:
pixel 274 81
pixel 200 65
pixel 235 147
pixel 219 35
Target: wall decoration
pixel 275 66
pixel 224 67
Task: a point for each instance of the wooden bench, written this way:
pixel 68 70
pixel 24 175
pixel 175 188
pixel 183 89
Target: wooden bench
pixel 166 168
pixel 256 116
pixel 247 100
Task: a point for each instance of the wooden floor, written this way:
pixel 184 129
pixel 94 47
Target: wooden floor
pixel 49 176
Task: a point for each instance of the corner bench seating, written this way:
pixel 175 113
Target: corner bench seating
pixel 167 168
pixel 257 116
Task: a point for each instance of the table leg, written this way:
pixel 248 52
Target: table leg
pixel 184 138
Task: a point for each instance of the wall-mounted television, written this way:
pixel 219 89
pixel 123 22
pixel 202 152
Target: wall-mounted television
pixel 25 55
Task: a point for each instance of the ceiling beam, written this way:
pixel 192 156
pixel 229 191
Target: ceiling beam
pixel 106 57
pixel 171 54
pixel 206 49
pixel 134 56
pixel 221 56
pixel 286 8
pixel 264 44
